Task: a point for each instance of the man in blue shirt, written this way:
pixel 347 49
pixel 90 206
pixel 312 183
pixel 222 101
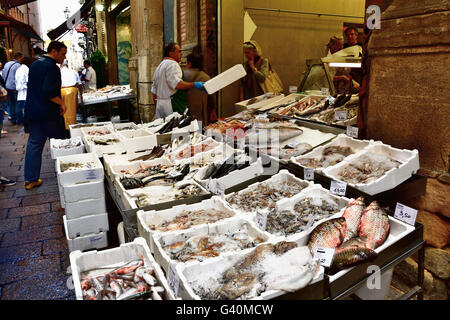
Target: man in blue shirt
pixel 9 76
pixel 44 109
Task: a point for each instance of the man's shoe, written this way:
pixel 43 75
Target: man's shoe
pixel 6 182
pixel 32 185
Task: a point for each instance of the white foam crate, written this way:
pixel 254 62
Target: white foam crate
pixel 225 79
pixel 261 104
pixel 232 179
pixel 341 140
pixel 305 97
pixel 85 208
pixel 316 192
pixel 221 151
pixel 110 160
pixel 86 225
pixel 61 195
pixel 156 125
pixel 279 178
pixel 82 175
pixel 119 127
pixel 56 152
pixel 118 170
pixel 92 241
pixel 160 240
pixel 105 130
pixel 391 179
pixel 290 99
pixel 398 230
pixel 137 140
pixel 175 156
pixel 138 249
pixel 146 218
pixel 215 267
pixel 84 191
pixel 77 132
pixel 159 194
pixel 100 150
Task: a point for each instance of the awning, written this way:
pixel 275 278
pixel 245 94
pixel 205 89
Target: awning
pixel 15 3
pixel 7 21
pixel 72 21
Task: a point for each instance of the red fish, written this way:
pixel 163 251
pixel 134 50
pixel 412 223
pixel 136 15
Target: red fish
pixel 328 234
pixel 352 216
pixel 374 225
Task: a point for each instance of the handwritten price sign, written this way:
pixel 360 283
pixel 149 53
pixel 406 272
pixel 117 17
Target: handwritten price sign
pixel 338 188
pixel 405 214
pixel 324 256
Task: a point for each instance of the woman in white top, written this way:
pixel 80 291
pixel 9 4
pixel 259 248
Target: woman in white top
pixel 21 87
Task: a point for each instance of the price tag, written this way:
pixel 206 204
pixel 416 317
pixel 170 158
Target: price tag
pixel 91 175
pixel 324 256
pixel 325 91
pixel 292 89
pixel 340 115
pixel 210 184
pixel 352 132
pixel 338 188
pixel 174 174
pixel 405 214
pixel 219 189
pixel 293 144
pixel 261 220
pixel 331 100
pixel 173 279
pixel 261 116
pixel 309 174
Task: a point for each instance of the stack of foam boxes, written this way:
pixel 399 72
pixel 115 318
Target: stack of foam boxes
pixel 86 220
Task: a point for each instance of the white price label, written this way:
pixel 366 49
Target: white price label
pixel 338 188
pixel 91 175
pixel 174 174
pixel 261 220
pixel 219 189
pixel 352 132
pixel 173 279
pixel 405 214
pixel 325 91
pixel 309 174
pixel 293 144
pixel 261 116
pixel 340 115
pixel 292 89
pixel 210 184
pixel 324 256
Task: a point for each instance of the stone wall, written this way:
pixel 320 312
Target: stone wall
pixel 408 107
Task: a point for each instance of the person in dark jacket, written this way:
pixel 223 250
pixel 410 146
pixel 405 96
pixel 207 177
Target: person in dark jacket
pixel 44 109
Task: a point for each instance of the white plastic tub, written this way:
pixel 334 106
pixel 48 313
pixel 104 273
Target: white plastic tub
pixel 57 152
pixel 77 132
pixel 86 225
pixel 138 249
pixel 84 191
pixel 120 127
pixel 100 150
pixel 137 140
pixel 81 175
pixel 83 208
pixel 84 243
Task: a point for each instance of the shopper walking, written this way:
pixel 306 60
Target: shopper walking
pixel 3 97
pixel 201 105
pixel 21 86
pixel 90 78
pixel 9 77
pixel 44 109
pixel 257 70
pixel 167 80
pixel 4 103
pixel 70 84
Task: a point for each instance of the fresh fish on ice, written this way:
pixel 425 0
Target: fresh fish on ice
pixel 374 225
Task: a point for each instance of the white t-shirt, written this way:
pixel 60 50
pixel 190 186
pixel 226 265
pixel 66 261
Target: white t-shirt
pixel 91 76
pixel 22 82
pixel 166 78
pixel 69 77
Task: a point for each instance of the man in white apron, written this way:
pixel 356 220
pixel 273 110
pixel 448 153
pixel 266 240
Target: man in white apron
pixel 167 80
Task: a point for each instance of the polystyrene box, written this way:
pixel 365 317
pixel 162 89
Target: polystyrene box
pixel 84 208
pixel 76 132
pixel 119 127
pixel 56 152
pixel 100 150
pixel 138 249
pixel 263 104
pixel 61 196
pixel 84 191
pixel 225 79
pixel 86 225
pixel 120 169
pixel 82 175
pixel 137 140
pixel 92 241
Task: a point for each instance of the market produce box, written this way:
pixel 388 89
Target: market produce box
pixel 61 194
pixel 84 208
pixel 120 159
pixel 137 140
pixel 92 241
pixel 126 126
pixel 261 102
pixel 86 225
pixel 61 148
pixel 113 259
pixel 288 100
pixel 155 217
pixel 79 168
pixel 157 124
pixel 84 191
pixel 268 275
pixel 105 144
pixel 376 169
pixel 225 79
pixel 75 129
pixel 127 168
pixel 232 236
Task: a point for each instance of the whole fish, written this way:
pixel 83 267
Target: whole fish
pixel 328 234
pixel 352 216
pixel 374 225
pixel 350 256
pixel 358 242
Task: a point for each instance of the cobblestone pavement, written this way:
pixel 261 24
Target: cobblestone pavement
pixel 34 258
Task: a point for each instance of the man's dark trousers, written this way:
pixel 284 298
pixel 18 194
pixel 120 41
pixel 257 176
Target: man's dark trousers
pixel 12 103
